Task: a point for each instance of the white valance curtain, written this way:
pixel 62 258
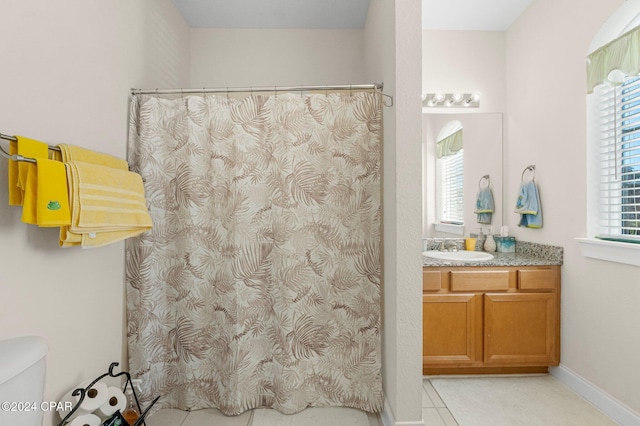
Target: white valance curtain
pixel 621 54
pixel 449 145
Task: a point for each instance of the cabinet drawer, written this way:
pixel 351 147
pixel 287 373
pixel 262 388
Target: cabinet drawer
pixel 536 279
pixel 431 280
pixel 479 280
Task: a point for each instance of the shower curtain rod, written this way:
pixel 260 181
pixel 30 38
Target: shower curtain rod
pixel 375 86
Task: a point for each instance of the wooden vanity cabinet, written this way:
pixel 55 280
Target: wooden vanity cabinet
pixel 452 328
pixel 490 319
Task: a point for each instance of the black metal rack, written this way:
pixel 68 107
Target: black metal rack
pixel 83 391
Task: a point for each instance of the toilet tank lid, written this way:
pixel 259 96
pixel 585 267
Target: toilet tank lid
pixel 20 353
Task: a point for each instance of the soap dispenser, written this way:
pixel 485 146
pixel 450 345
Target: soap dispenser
pixel 489 243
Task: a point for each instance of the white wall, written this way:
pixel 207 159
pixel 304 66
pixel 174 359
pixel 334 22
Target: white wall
pixel 546 101
pixel 467 62
pixel 67 72
pixel 536 75
pixel 393 38
pixel 70 83
pixel 274 57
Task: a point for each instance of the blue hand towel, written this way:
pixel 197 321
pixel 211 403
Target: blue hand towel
pixel 528 205
pixel 484 205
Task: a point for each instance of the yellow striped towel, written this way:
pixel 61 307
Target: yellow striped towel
pixel 107 205
pixel 76 153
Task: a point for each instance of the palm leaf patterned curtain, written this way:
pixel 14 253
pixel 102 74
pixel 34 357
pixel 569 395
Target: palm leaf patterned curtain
pixel 259 285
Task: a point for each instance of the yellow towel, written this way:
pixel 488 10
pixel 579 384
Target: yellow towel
pixel 76 153
pixel 99 239
pixel 69 239
pixel 29 148
pixel 107 205
pixel 19 171
pixel 15 192
pixel 55 155
pixel 30 198
pixel 53 197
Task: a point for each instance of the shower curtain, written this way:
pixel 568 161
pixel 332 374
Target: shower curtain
pixel 259 284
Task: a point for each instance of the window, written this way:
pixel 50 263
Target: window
pixel 619 160
pixel 451 188
pixel 450 177
pixel 613 105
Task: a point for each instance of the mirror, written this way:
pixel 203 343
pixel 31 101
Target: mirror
pixel 482 141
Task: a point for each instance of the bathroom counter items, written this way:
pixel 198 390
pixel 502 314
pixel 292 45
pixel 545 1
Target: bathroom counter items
pixel 527 254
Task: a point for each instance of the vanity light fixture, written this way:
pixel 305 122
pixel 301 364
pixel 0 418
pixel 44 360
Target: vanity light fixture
pixel 451 100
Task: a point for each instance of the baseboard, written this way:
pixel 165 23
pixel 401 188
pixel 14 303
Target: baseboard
pixel 388 420
pixel 596 396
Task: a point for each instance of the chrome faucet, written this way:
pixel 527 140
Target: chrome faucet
pixel 450 245
pixel 446 244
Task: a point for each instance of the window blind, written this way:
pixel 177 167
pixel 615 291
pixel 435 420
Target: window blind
pixel 450 171
pixel 619 159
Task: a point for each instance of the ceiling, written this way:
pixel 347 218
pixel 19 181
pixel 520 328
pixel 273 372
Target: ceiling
pixel 476 15
pixel 471 15
pixel 329 14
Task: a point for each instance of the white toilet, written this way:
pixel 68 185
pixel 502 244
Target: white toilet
pixel 22 372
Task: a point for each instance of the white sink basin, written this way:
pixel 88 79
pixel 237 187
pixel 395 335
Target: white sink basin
pixel 472 256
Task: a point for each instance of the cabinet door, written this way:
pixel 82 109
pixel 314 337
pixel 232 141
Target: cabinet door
pixel 452 329
pixel 521 329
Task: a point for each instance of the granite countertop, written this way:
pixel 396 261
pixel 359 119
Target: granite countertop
pixel 499 259
pixel 527 254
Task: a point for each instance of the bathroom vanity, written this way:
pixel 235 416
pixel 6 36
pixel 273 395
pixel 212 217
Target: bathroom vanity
pixel 499 316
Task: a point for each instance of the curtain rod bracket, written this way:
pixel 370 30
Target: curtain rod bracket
pixel 390 104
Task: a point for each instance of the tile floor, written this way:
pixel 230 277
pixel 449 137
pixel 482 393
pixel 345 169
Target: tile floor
pixel 434 410
pixel 332 416
pixel 434 413
pixel 531 400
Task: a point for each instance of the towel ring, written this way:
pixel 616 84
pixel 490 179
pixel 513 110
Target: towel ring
pixel 532 169
pixel 483 178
